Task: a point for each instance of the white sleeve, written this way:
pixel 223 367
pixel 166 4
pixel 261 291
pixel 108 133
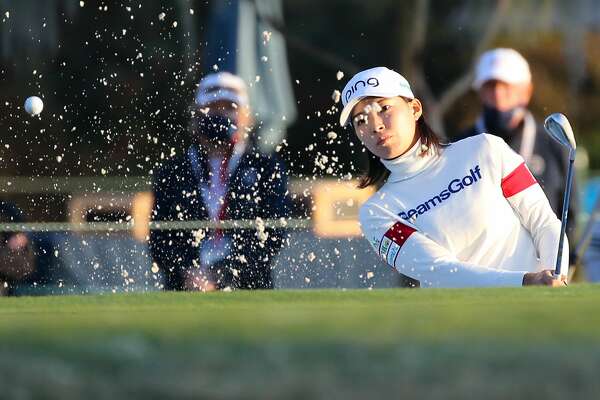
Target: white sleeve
pixel 414 254
pixel 531 205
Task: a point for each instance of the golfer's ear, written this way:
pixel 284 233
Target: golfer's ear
pixel 417 108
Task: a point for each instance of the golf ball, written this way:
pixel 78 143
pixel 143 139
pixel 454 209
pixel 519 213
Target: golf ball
pixel 34 105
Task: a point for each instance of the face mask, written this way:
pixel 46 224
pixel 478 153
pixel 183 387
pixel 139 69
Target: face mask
pixel 498 122
pixel 216 128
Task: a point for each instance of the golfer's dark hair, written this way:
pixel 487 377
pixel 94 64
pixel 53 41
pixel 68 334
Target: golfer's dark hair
pixel 377 173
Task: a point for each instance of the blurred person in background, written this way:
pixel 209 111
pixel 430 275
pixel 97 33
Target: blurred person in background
pixel 459 215
pixel 17 258
pixel 503 83
pixel 221 176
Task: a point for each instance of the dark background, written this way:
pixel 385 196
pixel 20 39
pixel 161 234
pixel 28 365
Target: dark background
pixel 116 101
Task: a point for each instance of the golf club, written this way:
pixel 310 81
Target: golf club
pixel 558 126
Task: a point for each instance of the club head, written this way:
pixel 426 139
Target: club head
pixel 558 126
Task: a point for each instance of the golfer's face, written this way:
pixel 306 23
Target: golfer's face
pixel 386 126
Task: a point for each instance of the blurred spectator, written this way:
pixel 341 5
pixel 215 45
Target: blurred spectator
pixel 221 176
pixel 503 82
pixel 17 259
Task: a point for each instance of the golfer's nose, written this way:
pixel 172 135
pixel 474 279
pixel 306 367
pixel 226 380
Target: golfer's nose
pixel 377 124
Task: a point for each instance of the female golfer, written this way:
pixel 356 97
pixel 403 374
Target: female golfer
pixel 465 214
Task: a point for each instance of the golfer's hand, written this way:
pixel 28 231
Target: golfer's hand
pixel 543 278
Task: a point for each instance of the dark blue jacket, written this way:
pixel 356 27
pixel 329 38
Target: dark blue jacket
pixel 257 188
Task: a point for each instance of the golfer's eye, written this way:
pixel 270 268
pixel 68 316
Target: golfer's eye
pixel 360 120
pixel 385 107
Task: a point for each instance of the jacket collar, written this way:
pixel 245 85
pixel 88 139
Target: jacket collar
pixel 410 164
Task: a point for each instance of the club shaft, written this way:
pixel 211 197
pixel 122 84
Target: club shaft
pixel 565 212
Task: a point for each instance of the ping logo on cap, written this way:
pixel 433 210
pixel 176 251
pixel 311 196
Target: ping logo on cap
pixel 372 81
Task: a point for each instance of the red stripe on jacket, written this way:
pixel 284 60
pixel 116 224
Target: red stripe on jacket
pixel 399 233
pixel 517 181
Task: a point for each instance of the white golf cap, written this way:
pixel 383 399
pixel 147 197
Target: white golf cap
pixel 505 65
pixel 221 86
pixel 373 82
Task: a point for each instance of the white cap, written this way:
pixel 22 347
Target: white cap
pixel 505 65
pixel 221 86
pixel 374 82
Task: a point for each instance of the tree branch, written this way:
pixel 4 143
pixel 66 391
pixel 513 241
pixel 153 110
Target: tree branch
pixel 412 57
pixel 325 57
pixel 463 83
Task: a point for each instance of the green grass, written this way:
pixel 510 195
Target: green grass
pixel 492 343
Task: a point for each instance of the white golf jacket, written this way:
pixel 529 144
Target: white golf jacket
pixel 472 215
